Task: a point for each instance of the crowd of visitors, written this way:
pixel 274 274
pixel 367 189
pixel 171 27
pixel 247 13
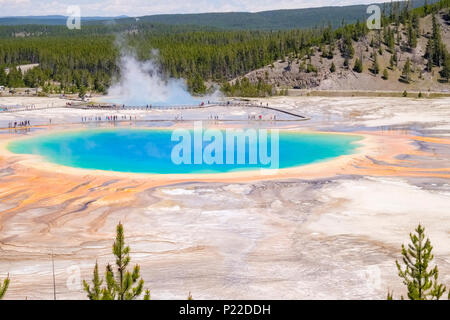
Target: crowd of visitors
pixel 16 124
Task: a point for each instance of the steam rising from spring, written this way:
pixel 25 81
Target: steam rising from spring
pixel 142 83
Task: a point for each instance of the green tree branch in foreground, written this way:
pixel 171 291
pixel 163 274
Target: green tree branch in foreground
pixel 420 278
pixel 124 285
pixel 4 287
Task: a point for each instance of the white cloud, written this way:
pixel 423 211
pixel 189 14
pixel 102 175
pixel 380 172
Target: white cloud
pixel 144 7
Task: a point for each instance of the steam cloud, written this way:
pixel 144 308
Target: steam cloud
pixel 142 83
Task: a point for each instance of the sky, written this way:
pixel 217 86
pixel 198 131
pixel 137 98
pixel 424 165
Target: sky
pixel 134 8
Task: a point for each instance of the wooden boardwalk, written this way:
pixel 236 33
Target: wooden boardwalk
pixel 190 107
pixel 295 116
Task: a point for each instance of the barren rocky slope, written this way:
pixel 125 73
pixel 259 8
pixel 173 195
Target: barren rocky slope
pixel 289 73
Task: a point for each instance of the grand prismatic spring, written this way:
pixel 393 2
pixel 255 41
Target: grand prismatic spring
pixel 150 151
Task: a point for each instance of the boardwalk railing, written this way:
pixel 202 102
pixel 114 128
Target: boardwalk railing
pixel 187 107
pixel 20 108
pixel 80 105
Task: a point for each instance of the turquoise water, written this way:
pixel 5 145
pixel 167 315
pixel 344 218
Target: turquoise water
pixel 151 151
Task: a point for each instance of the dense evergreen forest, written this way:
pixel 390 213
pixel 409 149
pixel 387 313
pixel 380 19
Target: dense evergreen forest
pixel 87 59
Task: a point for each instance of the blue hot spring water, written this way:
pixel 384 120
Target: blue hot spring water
pixel 150 150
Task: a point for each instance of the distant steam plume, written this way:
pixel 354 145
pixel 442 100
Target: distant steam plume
pixel 142 83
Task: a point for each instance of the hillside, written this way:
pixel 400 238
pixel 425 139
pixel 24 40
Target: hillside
pixel 276 19
pixel 265 20
pixel 55 20
pixel 290 72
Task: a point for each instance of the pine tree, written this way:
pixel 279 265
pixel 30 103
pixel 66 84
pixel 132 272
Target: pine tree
pixel 399 36
pixel 14 78
pixel 333 67
pixel 406 71
pixel 445 73
pixel 415 22
pixel 390 40
pixel 347 47
pixel 375 65
pixel 420 278
pixel 429 65
pixel 358 67
pixel 412 37
pixel 385 74
pixel 82 92
pixel 437 45
pixel 118 286
pixel 4 287
pixel 2 76
pixel 391 62
pixel 196 85
pixel 331 52
pixel 94 293
pixel 429 54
